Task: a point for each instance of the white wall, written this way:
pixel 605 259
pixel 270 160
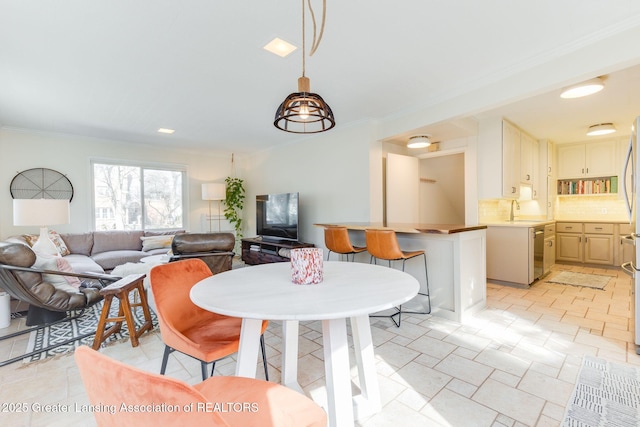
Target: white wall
pixel 71 155
pixel 331 171
pixel 442 201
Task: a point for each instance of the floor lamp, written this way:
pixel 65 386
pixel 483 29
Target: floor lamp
pixel 42 212
pixel 214 191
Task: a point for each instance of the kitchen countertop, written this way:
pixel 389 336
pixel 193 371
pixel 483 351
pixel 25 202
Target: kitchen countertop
pixel 536 223
pixel 410 228
pixel 520 223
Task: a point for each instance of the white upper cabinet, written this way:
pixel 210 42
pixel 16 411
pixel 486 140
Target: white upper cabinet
pixel 519 154
pixel 527 146
pixel 588 160
pixel 511 157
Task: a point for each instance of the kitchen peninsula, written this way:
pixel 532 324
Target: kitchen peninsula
pixel 456 260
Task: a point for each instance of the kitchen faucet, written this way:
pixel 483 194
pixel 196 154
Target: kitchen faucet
pixel 511 213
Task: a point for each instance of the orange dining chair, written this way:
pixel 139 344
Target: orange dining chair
pixel 383 244
pixel 187 328
pixel 336 239
pixel 128 396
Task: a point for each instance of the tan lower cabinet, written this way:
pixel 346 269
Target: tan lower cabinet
pixel 569 245
pixel 549 248
pixel 591 243
pixel 626 250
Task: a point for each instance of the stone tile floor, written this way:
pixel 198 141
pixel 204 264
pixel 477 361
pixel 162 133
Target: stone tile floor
pixel 513 364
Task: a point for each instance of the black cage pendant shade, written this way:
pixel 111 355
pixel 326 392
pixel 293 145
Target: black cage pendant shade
pixel 304 111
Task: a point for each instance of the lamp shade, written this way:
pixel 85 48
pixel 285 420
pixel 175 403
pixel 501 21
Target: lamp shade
pixel 40 212
pixel 214 191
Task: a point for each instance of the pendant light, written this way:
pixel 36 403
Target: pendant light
pixel 304 111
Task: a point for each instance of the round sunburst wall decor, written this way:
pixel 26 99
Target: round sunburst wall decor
pixel 41 183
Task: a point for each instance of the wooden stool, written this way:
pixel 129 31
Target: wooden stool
pixel 120 290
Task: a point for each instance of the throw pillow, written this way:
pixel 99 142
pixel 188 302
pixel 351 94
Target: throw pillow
pixel 156 242
pixel 60 244
pixel 55 263
pixel 55 238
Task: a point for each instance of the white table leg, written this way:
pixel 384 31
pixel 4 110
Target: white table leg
pixel 369 400
pixel 336 365
pixel 290 355
pixel 248 350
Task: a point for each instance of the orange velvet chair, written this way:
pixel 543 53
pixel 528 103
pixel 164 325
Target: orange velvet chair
pixel 336 239
pixel 187 328
pixel 383 244
pixel 218 401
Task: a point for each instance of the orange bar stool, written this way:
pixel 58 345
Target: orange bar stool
pixel 336 239
pixel 383 244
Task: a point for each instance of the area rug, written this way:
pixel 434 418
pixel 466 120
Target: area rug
pixel 605 394
pixel 597 281
pixel 83 325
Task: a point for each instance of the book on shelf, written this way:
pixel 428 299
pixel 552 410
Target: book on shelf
pixel 605 185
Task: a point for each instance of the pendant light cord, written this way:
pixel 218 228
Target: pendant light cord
pixel 316 41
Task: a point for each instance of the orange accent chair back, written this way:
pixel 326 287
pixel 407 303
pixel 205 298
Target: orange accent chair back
pixel 187 328
pixel 117 389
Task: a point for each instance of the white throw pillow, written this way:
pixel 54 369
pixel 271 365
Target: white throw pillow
pixel 56 263
pixel 156 242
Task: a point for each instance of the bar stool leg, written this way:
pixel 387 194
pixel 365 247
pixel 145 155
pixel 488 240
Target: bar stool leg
pixel 426 310
pixel 398 313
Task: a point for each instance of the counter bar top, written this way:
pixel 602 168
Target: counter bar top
pixel 409 228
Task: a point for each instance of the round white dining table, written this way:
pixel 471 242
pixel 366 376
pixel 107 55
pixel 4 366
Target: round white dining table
pixel 348 290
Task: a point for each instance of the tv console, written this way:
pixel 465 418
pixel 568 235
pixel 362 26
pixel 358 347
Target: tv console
pixel 257 251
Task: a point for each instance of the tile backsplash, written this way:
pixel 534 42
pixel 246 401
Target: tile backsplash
pixel 592 208
pixel 580 208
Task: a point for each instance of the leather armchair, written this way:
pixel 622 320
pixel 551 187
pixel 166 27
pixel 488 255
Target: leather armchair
pixel 215 249
pixel 47 304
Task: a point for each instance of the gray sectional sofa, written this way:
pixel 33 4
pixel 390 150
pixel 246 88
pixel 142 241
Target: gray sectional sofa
pixel 102 251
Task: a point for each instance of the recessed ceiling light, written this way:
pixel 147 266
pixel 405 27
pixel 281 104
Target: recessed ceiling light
pixel 601 129
pixel 280 47
pixel 419 141
pixel 163 130
pixel 583 89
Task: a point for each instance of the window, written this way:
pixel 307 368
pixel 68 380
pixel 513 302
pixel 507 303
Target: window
pixel 133 197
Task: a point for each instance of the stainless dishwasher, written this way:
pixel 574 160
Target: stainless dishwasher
pixel 538 251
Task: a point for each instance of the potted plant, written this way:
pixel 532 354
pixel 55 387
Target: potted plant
pixel 234 203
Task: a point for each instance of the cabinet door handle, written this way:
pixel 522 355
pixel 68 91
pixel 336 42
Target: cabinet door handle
pixel 582 170
pixel 528 177
pixel 513 189
pixel 587 170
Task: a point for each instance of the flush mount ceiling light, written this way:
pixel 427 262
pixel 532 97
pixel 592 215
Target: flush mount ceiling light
pixel 303 111
pixel 419 141
pixel 601 129
pixel 165 130
pixel 279 47
pixel 583 89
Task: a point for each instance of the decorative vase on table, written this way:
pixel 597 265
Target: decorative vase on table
pixel 306 266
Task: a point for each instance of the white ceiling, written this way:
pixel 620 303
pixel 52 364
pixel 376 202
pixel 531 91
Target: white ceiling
pixel 122 69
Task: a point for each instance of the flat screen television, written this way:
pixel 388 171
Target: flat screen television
pixel 277 216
